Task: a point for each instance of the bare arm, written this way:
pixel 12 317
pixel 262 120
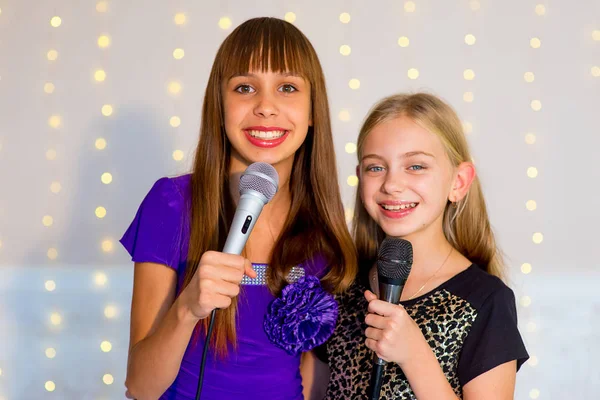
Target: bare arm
pixel 495 384
pixel 315 376
pixel 161 326
pixel 160 332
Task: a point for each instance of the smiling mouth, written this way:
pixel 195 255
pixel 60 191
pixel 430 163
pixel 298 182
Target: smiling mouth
pixel 266 135
pixel 398 207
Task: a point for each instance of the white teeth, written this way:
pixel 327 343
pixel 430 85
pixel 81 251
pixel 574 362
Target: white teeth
pixel 266 134
pixel 398 206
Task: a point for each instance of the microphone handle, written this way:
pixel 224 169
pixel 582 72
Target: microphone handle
pixel 376 378
pixel 246 214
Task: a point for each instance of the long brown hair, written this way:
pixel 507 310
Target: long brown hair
pixel 466 226
pixel 315 224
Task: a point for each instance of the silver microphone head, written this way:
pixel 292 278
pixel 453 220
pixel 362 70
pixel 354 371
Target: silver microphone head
pixel 260 178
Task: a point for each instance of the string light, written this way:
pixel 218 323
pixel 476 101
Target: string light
pixel 225 23
pixel 345 18
pixel 290 17
pixel 175 121
pixel 536 43
pixel 52 253
pixel 403 41
pixel 55 319
pixel 530 138
pixel 178 54
pixel 107 110
pixel 107 245
pixel 50 386
pixel 100 143
pixel 55 121
pixel 410 6
pixel 47 220
pixel 537 238
pixel 531 205
pixel 349 214
pixel 344 115
pixel 525 301
pixel 49 88
pixel 468 97
pixel 103 41
pixel 180 19
pixel 352 180
pixel 534 393
pixel 595 71
pixel 529 77
pixel 596 35
pixel 110 311
pixel 106 178
pixel 354 84
pixel 52 55
pixel 470 39
pixel 178 155
pixel 533 361
pixel 100 212
pixel 532 172
pixel 100 279
pixel 468 74
pixel 99 75
pixel 467 127
pixel 51 154
pixel 102 6
pixel 526 268
pixel 540 9
pixel 350 148
pixel 106 346
pixel 345 50
pixel 50 352
pixel 174 87
pixel 50 285
pixel 536 105
pixel 55 22
pixel 412 73
pixel 108 379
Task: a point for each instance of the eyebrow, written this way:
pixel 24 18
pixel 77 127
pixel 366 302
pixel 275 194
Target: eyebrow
pixel 405 155
pixel 281 74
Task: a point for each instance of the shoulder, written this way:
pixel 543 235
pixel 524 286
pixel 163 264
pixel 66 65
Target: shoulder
pixel 479 288
pixel 174 191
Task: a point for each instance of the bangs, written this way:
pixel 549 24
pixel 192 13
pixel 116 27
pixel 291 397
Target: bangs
pixel 266 44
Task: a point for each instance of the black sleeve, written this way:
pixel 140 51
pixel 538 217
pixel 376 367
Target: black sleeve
pixel 321 353
pixel 494 338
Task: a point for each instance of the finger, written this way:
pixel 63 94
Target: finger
pixel 221 273
pixel 229 260
pixel 376 321
pixel 370 295
pixel 372 344
pixel 248 270
pixel 220 301
pixel 373 333
pixel 384 308
pixel 227 289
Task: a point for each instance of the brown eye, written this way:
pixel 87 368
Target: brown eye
pixel 244 89
pixel 288 88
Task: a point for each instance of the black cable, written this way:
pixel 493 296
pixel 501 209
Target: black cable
pixel 211 324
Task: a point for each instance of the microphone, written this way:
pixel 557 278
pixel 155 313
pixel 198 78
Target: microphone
pixel 258 184
pixel 394 262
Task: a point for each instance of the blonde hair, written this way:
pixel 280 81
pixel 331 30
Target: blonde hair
pixel 466 226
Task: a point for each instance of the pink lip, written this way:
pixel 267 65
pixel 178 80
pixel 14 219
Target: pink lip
pixel 397 214
pixel 265 143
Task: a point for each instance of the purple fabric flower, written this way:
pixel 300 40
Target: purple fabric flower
pixel 302 318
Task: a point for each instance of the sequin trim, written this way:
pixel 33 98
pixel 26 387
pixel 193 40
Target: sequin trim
pixel 261 275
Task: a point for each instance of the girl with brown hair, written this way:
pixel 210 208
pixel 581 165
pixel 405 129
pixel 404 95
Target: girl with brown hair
pixel 265 102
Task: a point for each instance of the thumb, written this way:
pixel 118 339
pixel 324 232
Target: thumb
pixel 248 269
pixel 370 296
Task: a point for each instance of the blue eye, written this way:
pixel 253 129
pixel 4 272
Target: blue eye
pixel 244 89
pixel 416 167
pixel 375 168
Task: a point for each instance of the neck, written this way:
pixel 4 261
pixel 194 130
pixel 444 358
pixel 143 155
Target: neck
pixel 430 248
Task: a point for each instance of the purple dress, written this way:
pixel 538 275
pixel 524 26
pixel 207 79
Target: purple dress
pixel 258 369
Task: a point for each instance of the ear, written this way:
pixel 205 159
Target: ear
pixel 463 178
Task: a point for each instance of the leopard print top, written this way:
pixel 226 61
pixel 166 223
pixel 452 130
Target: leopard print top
pixel 445 318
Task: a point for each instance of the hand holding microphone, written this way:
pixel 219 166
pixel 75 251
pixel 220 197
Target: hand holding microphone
pixel 219 274
pixel 388 321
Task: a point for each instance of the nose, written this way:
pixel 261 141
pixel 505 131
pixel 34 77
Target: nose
pixel 265 105
pixel 394 182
